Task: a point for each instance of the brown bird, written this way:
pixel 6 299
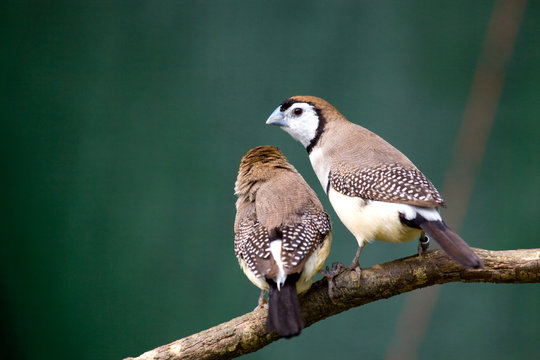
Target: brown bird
pixel 376 191
pixel 282 234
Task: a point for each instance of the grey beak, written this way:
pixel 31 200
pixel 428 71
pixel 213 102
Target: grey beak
pixel 277 118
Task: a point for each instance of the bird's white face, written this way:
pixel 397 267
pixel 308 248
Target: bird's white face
pixel 300 120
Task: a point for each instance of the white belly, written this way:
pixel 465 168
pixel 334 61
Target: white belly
pixel 374 220
pixel 313 265
pixel 258 281
pixel 321 167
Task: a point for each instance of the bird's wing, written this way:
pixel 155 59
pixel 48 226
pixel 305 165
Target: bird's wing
pixel 297 216
pixel 302 238
pixel 252 245
pixel 388 182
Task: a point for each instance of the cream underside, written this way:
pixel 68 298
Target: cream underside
pixel 257 281
pixel 321 168
pixel 377 220
pixel 311 267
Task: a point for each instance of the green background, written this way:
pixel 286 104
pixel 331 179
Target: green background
pixel 123 124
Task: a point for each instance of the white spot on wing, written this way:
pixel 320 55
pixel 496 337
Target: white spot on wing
pixel 374 183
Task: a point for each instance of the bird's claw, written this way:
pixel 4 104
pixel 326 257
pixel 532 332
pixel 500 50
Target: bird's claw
pixel 262 304
pixel 337 267
pixel 356 267
pixel 330 274
pixel 355 264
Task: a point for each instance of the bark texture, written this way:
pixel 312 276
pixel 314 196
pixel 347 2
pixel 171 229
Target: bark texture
pixel 247 333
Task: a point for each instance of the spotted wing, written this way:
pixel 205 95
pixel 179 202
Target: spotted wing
pixel 252 244
pixel 392 183
pixel 302 238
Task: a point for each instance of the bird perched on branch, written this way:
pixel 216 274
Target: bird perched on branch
pixel 376 191
pixel 282 234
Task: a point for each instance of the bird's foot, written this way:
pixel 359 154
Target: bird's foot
pixel 262 302
pixel 330 274
pixel 423 244
pixel 356 267
pixel 337 267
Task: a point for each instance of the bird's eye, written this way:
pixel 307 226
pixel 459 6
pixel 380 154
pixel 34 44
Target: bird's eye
pixel 298 111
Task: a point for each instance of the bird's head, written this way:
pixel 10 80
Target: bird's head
pixel 304 118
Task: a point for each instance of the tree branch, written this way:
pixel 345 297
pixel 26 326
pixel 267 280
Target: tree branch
pixel 247 333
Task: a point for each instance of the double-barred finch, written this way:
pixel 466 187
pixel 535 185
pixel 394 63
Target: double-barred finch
pixel 282 234
pixel 376 191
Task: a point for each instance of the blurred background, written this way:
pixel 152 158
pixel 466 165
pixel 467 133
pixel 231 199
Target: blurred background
pixel 123 124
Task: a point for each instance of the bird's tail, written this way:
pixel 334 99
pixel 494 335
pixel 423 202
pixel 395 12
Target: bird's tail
pixel 451 243
pixel 284 308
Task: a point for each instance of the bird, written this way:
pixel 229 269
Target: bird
pixel 376 191
pixel 282 234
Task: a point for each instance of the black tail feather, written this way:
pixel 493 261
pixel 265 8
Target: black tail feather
pixel 451 243
pixel 284 308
